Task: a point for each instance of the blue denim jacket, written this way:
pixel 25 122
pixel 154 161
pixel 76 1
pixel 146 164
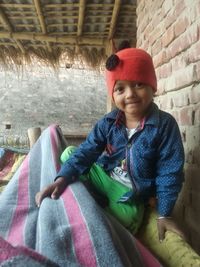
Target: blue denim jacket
pixel 154 155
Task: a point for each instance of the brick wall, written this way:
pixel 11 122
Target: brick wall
pixel 170 31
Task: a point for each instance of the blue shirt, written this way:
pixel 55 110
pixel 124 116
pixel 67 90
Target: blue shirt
pixel 154 155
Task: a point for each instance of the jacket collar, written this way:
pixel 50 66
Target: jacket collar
pixel 152 117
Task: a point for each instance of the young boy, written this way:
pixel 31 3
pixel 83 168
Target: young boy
pixel 133 153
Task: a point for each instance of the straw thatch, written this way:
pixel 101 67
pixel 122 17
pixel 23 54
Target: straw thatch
pixel 55 30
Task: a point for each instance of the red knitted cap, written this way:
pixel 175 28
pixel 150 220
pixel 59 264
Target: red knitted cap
pixel 134 65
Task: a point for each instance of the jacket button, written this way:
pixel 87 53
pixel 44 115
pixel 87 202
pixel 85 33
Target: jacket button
pixel 128 145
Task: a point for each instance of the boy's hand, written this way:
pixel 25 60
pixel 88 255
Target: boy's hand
pixel 53 190
pixel 167 224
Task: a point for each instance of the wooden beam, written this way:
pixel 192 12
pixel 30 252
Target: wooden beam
pixel 5 21
pixel 8 44
pixel 41 20
pixel 61 5
pixel 25 17
pixel 17 5
pixel 20 46
pixel 54 39
pixel 7 24
pixel 99 5
pixel 18 12
pixel 81 17
pixel 40 16
pixel 114 18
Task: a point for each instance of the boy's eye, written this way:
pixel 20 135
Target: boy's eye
pixel 119 89
pixel 138 85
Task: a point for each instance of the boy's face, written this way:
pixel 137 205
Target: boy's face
pixel 133 98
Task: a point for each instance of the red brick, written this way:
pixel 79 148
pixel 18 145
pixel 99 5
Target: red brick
pixel 143 24
pixel 194 13
pixel 194 95
pixel 183 42
pixel 178 8
pixel 179 62
pixel 189 156
pixel 194 53
pixel 147 31
pixel 161 86
pixel 186 116
pixel 169 19
pixel 177 46
pixel 183 133
pixel 197 114
pixel 140 6
pixel 160 59
pixel 198 70
pixel 182 78
pixel 164 71
pixel 175 114
pixel 156 5
pixel 155 34
pixel 166 102
pixel 180 99
pixel 193 137
pixel 180 26
pixel 196 156
pixel 168 36
pixel 145 45
pixel 156 48
pixel 166 7
pixel 192 34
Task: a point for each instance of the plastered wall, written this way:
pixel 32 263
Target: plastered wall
pixel 37 97
pixel 170 31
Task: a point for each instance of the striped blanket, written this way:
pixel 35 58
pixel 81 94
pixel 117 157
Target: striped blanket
pixel 71 231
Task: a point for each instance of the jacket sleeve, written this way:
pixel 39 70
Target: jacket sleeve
pixel 86 154
pixel 169 167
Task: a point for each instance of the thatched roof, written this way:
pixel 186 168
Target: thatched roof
pixel 55 29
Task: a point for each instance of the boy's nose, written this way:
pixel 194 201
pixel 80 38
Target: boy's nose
pixel 130 92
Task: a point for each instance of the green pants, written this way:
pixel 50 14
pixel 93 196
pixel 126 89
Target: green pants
pixel 130 213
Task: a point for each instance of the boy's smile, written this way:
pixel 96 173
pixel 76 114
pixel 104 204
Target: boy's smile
pixel 133 98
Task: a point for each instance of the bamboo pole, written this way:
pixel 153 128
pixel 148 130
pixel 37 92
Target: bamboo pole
pixel 20 46
pixel 54 39
pixel 5 21
pixel 41 20
pixel 33 17
pixel 40 16
pixel 17 5
pixel 81 17
pixel 7 24
pixel 114 18
pixel 61 5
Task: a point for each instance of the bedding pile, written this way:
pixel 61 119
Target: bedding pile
pixel 71 231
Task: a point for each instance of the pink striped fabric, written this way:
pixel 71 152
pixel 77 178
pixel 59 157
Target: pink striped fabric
pixel 15 235
pixel 80 235
pixel 54 146
pixel 5 250
pixel 9 252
